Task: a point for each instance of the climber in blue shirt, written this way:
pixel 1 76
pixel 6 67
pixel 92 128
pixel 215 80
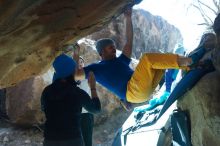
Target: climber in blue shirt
pixel 115 74
pixel 112 69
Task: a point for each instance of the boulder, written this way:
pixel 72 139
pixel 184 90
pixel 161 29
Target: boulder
pixel 23 101
pixel 202 103
pixel 32 33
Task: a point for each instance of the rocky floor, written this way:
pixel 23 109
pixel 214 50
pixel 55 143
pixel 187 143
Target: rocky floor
pixel 103 134
pixel 16 136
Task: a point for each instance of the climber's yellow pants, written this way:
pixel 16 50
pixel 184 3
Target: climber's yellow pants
pixel 148 74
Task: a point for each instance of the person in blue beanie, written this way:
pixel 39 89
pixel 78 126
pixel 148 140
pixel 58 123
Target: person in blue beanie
pixel 62 103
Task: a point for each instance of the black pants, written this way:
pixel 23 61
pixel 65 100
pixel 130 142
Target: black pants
pixel 87 122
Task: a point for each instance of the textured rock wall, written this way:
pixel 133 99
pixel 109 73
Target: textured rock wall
pixel 32 32
pixel 202 103
pixel 23 102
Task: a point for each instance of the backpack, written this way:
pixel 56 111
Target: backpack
pixel 179 128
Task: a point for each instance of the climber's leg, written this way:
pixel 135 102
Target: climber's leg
pixel 186 83
pixel 148 74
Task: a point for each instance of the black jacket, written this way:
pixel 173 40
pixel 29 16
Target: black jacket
pixel 62 103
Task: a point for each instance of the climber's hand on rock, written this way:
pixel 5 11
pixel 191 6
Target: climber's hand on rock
pixel 128 12
pixel 76 50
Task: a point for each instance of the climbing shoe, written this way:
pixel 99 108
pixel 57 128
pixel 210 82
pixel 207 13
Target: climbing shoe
pixel 154 102
pixel 158 101
pixel 196 56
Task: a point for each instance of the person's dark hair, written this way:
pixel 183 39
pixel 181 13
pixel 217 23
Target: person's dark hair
pixel 216 26
pixel 102 43
pixel 204 39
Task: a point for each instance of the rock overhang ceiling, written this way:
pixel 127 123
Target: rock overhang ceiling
pixel 32 32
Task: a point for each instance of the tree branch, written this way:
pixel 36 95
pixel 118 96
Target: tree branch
pixel 217 5
pixel 215 12
pixel 204 16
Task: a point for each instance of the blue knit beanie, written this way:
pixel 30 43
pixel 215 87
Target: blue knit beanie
pixel 64 66
pixel 216 25
pixel 54 77
pixel 102 43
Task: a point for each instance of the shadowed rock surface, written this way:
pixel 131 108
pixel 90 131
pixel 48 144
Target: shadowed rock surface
pixel 23 102
pixel 31 32
pixel 202 103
